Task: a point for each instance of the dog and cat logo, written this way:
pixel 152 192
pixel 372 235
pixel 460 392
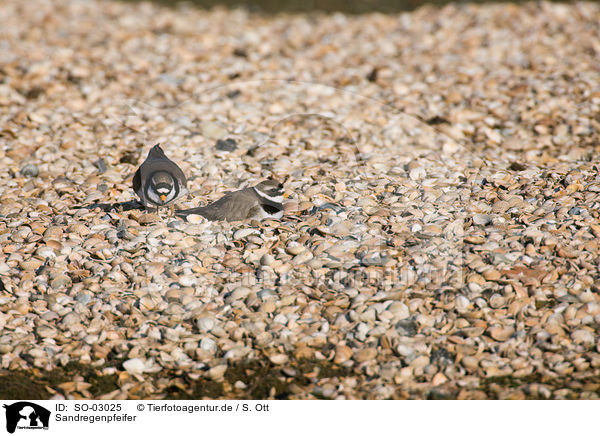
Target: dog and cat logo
pixel 26 415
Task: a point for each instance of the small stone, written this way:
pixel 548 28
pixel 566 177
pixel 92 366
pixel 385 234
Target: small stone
pixel 462 303
pixel 244 233
pixel 79 229
pixel 583 336
pixel 497 301
pixel 279 359
pixel 217 372
pixel 407 327
pixel 83 298
pixel 23 308
pixel 60 281
pixel 205 324
pixel 517 166
pixel 470 362
pixel 148 218
pixel 492 275
pixel 501 333
pixel 170 80
pixel 228 144
pixel 30 264
pixel 195 219
pixel 420 362
pixel 417 173
pixel 46 331
pixel 101 165
pixel 240 385
pixel 212 130
pixel 294 248
pixel 343 353
pixel 399 310
pixel 147 302
pixel 134 366
pixel 130 157
pixel 30 170
pixel 477 240
pixel 239 293
pixel 365 354
pixel 374 259
pixel 50 316
pixel 481 220
pixel 187 281
pixel 302 258
pixel 439 379
pixel 45 252
pixel 268 307
pixel 208 344
pixel 267 260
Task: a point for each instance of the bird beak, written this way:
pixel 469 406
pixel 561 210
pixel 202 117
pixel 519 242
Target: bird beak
pixel 286 195
pixel 163 197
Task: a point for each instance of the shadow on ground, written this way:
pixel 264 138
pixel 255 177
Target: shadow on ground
pixel 260 379
pixel 117 207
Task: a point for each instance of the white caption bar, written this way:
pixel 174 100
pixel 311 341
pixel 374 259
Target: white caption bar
pixel 263 418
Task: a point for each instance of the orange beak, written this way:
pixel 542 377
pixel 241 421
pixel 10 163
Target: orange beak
pixel 163 197
pixel 286 195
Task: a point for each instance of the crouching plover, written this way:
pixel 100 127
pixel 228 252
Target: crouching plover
pixel 258 202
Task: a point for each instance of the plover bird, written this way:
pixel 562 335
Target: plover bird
pixel 258 202
pixel 158 181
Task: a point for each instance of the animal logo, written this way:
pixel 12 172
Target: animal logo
pixel 24 414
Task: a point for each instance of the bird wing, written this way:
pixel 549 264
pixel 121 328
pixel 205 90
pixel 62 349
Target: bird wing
pixel 137 185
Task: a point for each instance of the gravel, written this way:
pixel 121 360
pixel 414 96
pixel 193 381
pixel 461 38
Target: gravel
pixel 440 235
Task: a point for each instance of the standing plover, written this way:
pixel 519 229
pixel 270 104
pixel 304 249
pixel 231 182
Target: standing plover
pixel 158 181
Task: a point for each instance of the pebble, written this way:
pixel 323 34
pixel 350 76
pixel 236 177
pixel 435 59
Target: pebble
pixel 501 333
pixel 399 310
pixel 407 327
pixel 294 248
pixel 30 170
pixel 217 372
pixel 279 359
pixel 228 144
pixel 212 130
pixel 239 293
pixel 302 257
pixel 583 336
pixel 46 331
pixel 102 167
pixel 209 345
pixel 60 281
pixel 267 260
pixel 365 354
pixel 417 173
pixel 420 362
pixel 244 233
pixel 205 324
pixel 343 353
pixel 481 220
pixel 385 253
pixel 83 298
pixel 462 303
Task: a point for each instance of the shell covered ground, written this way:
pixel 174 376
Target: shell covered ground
pixel 441 231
